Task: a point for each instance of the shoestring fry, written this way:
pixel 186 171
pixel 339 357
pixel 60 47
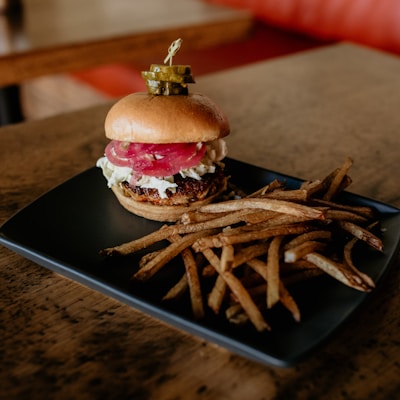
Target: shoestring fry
pixel 243 255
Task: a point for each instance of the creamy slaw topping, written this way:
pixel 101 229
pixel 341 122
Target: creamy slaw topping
pixel 215 152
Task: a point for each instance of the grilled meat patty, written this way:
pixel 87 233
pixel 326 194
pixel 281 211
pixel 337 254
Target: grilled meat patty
pixel 188 190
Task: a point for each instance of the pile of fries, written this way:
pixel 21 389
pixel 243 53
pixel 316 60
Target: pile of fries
pixel 254 247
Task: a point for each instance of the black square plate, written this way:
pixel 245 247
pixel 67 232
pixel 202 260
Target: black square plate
pixel 65 229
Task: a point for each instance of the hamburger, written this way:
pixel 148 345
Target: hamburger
pixel 166 147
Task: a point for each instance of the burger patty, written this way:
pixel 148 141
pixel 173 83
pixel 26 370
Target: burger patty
pixel 188 190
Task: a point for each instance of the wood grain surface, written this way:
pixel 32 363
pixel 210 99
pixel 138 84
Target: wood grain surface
pixel 300 115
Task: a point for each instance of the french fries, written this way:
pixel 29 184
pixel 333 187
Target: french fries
pixel 337 182
pixel 255 248
pixel 273 280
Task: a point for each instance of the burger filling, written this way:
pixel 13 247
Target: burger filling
pixel 161 170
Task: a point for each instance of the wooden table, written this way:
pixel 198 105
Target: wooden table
pixel 300 115
pixel 54 36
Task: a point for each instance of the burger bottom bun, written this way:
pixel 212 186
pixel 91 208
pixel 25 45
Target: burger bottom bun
pixel 162 213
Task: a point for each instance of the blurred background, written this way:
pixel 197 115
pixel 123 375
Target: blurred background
pixel 63 55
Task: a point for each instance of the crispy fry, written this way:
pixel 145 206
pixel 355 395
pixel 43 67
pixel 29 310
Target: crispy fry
pixel 178 289
pixel 259 216
pixel 241 256
pixel 337 271
pixel 273 271
pixel 343 215
pixel 312 187
pixel 246 253
pixel 227 258
pixel 147 258
pixel 246 301
pixel 348 260
pixel 276 220
pixel 320 190
pixel 166 255
pixel 189 280
pixel 138 244
pixel 193 279
pixel 194 216
pixel 288 195
pixel 259 266
pixel 335 185
pixel 308 236
pixel 281 206
pixel 295 253
pixel 298 265
pixel 362 234
pixel 288 302
pixel 274 185
pixel 240 292
pixel 217 294
pixel 349 263
pixel 219 290
pixel 167 231
pixel 364 211
pixel 226 219
pixel 236 315
pixel 284 296
pixel 225 238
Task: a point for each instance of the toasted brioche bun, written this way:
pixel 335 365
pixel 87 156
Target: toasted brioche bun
pixel 146 118
pixel 162 213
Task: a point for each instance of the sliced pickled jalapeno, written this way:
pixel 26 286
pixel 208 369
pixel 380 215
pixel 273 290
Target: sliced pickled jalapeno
pixel 168 79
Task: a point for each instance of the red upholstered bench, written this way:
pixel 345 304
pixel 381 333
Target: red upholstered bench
pixel 374 23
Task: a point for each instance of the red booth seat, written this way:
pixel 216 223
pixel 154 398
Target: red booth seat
pixel 374 23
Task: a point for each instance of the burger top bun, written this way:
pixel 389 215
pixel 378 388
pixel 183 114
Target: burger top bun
pixel 146 118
